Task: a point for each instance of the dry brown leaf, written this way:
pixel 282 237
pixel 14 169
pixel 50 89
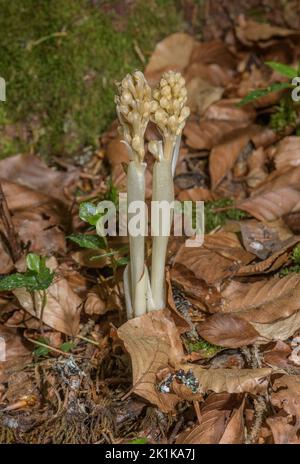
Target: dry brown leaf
pixel 230 380
pixel 284 433
pixel 15 350
pixel 201 94
pixel 235 430
pixel 94 304
pixel 224 155
pixel 227 330
pixel 214 51
pixel 228 110
pixel 30 171
pixel 153 343
pixel 92 258
pixel 215 412
pixel 219 257
pixel 264 301
pixel 172 53
pixel 272 205
pixel 62 310
pixel 209 133
pixel 279 330
pixel 287 153
pixel 195 194
pixel 212 73
pixel 249 31
pixel 259 239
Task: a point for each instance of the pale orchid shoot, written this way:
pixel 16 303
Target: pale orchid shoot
pixel 165 106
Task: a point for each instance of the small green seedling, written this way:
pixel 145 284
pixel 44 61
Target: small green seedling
pixel 38 277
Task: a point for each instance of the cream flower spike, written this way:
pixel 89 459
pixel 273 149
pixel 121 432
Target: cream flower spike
pixel 168 110
pixel 133 108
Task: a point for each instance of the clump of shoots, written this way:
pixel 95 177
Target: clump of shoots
pixel 165 106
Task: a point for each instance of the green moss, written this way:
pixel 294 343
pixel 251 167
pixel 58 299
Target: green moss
pixel 60 61
pixel 285 115
pixel 215 218
pixel 207 349
pixel 295 257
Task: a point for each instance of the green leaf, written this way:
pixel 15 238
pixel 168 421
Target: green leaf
pixel 41 351
pixel 33 262
pixel 258 93
pixel 283 69
pixel 29 280
pixel 67 346
pixel 88 213
pixel 17 281
pixel 112 194
pixel 123 261
pixel 138 441
pixel 87 241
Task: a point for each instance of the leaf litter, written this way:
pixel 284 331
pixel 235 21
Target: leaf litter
pixel 220 364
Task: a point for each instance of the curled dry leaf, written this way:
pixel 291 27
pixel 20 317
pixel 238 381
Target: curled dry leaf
pixel 219 257
pixel 153 343
pixel 62 309
pixel 273 262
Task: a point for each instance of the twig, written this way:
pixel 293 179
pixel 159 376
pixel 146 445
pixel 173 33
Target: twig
pixel 13 242
pixel 259 408
pixel 49 347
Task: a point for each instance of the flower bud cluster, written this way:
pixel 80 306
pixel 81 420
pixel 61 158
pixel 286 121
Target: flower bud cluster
pixel 168 110
pixel 133 108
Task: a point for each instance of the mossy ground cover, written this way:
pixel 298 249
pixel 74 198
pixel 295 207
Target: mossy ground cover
pixel 60 60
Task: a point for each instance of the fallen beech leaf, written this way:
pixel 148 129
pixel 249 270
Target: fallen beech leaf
pixel 172 53
pixel 249 31
pixel 195 194
pixel 209 132
pixel 283 432
pixel 273 262
pixel 228 331
pixel 227 110
pixel 201 94
pixel 15 351
pixel 259 239
pixel 30 171
pixel 235 430
pixel 214 51
pixel 230 380
pixel 153 342
pixel 212 73
pixel 264 301
pixel 215 413
pixel 92 258
pixel 62 310
pixel 272 205
pixel 94 304
pixel 279 330
pixel 219 257
pixel 224 155
pixel 287 152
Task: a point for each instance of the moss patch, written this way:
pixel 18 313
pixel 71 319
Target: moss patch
pixel 60 61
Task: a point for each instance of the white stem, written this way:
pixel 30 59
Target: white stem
pixel 176 154
pixel 136 192
pixel 163 190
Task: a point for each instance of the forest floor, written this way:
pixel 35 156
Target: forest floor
pixel 220 364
